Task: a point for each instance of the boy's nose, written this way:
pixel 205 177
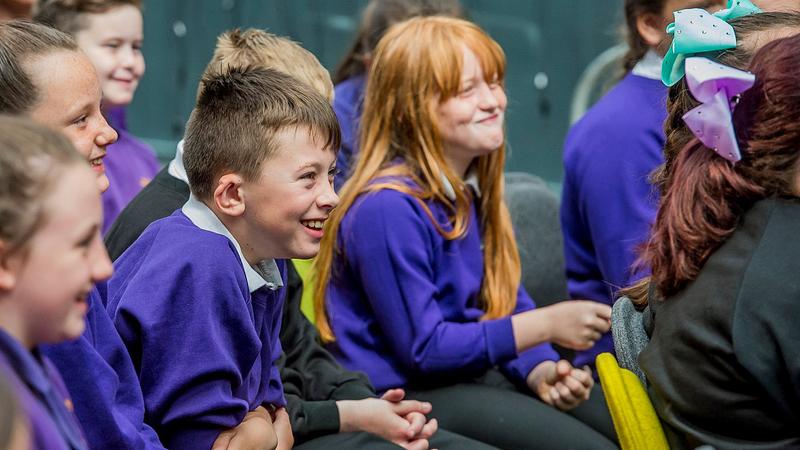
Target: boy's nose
pixel 328 199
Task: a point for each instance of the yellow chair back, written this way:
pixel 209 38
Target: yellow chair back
pixel 305 268
pixel 635 420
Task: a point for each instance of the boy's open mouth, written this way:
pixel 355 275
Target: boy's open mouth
pixel 313 224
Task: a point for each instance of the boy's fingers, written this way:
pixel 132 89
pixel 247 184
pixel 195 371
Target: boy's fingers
pixel 429 429
pixel 409 406
pixel 416 422
pixel 419 444
pixel 394 395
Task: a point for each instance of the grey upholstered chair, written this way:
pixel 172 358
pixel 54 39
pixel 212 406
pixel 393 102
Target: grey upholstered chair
pixel 534 213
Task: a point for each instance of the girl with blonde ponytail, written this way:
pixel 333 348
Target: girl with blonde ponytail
pixel 419 274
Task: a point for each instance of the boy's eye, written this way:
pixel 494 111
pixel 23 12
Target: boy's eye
pixel 309 176
pixel 80 120
pixel 112 45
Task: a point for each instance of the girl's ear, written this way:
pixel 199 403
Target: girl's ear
pixel 8 266
pixel 651 28
pixel 229 196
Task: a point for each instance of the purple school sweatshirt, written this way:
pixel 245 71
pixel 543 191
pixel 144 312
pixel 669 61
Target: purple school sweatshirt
pixel 608 203
pixel 203 344
pixel 42 397
pixel 130 165
pixel 403 301
pixel 347 104
pixel 99 375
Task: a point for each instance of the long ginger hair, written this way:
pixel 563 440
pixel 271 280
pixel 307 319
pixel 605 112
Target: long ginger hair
pixel 417 65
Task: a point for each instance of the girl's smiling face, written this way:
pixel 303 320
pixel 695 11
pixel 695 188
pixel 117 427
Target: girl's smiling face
pixel 471 122
pixel 113 42
pixel 54 273
pixel 69 102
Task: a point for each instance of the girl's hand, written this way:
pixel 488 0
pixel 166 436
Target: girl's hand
pixel 560 384
pixel 578 324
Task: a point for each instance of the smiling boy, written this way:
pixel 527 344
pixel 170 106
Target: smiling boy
pixel 197 298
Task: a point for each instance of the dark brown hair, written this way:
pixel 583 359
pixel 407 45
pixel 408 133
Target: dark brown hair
pixel 21 41
pixel 237 114
pixel 377 17
pixel 31 160
pixel 705 195
pixel 69 16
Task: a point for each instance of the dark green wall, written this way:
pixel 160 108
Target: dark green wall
pixel 550 40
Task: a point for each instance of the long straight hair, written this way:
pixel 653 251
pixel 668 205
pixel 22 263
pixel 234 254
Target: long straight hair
pixel 417 65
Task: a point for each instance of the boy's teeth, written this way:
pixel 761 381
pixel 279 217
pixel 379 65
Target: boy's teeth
pixel 316 224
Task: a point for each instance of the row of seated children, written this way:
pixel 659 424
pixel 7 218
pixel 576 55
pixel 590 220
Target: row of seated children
pixel 191 429
pixel 102 358
pixel 392 174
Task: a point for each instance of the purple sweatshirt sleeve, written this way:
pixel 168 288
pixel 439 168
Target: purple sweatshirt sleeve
pixel 389 239
pixel 187 327
pixel 518 368
pixel 103 384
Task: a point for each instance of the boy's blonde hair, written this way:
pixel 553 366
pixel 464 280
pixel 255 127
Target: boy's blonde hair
pixel 258 48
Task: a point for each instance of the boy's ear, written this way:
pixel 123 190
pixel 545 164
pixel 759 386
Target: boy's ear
pixel 8 276
pixel 228 196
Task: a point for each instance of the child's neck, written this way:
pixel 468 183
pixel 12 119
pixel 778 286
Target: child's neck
pixel 238 228
pixel 13 324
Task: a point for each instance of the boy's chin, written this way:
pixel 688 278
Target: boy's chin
pixel 305 253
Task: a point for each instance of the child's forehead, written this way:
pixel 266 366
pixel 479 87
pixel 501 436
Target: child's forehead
pixel 298 139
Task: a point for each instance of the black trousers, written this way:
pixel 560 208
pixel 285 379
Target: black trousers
pixel 491 409
pixel 442 440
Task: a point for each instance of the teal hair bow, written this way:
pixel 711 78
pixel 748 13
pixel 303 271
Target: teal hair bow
pixel 697 31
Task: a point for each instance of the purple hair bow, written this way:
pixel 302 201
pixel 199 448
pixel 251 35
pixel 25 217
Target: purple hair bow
pixel 716 86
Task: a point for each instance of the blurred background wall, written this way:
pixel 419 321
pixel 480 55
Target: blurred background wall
pixel 548 44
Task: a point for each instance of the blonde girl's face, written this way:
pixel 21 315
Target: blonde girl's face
pixel 69 102
pixel 471 122
pixel 53 275
pixel 113 42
